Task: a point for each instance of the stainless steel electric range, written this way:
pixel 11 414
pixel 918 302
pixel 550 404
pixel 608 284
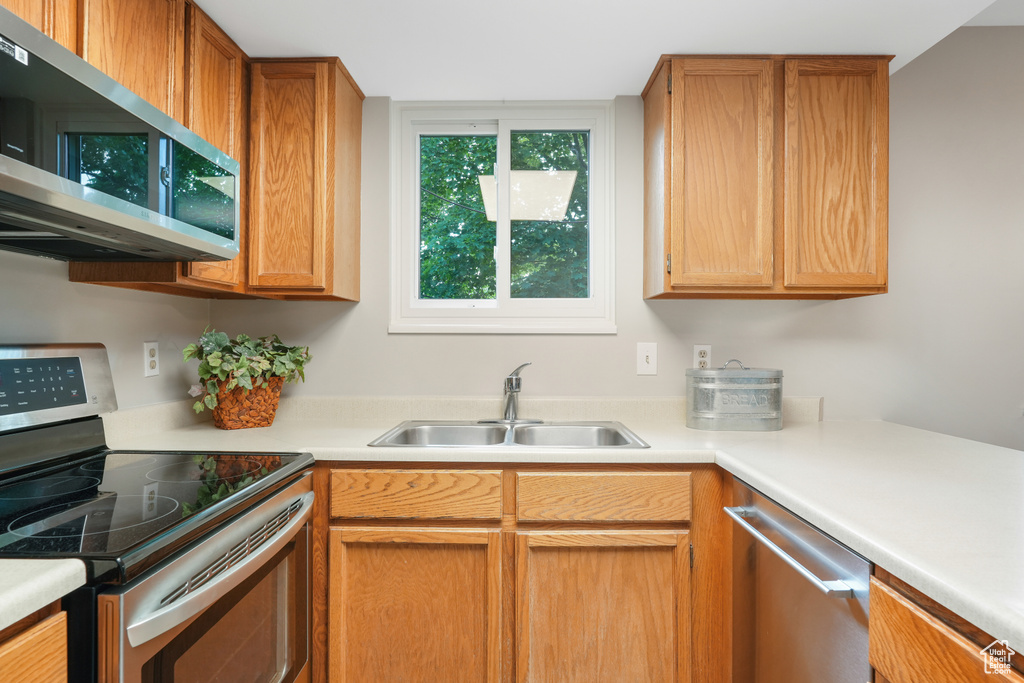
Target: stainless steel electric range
pixel 197 562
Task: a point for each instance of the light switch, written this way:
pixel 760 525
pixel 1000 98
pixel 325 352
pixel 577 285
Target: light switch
pixel 646 358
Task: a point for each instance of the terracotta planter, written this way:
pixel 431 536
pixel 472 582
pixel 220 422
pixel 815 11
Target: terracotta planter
pixel 241 409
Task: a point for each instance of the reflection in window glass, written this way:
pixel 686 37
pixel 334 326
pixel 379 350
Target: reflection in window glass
pixel 550 203
pixel 456 238
pixel 114 163
pixel 203 193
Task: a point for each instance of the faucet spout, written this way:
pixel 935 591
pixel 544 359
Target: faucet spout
pixel 513 383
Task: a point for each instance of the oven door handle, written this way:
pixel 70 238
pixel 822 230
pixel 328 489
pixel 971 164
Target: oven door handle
pixel 152 624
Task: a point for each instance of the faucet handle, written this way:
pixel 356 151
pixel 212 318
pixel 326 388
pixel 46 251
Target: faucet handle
pixel 513 381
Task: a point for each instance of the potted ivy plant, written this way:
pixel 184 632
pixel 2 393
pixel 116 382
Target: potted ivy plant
pixel 242 377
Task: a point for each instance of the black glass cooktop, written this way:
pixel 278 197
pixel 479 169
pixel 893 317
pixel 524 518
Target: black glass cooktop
pixel 122 512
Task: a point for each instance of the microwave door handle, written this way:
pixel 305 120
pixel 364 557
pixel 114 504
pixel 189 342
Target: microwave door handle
pixel 150 625
pixel 833 589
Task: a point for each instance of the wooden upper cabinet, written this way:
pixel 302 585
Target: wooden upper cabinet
pixel 306 121
pixel 837 181
pixel 140 44
pixel 766 177
pixel 718 177
pixel 216 109
pixel 56 18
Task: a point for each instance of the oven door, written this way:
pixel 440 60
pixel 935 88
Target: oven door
pixel 233 608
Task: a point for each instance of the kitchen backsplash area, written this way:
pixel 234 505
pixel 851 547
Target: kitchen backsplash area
pixel 955 285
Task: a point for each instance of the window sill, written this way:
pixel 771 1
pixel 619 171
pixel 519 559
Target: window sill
pixel 501 326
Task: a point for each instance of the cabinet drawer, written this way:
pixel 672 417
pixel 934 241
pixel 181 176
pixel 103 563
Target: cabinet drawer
pixel 907 644
pixel 603 496
pixel 416 494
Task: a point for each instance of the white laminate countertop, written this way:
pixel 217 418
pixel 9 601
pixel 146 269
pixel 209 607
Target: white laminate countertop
pixel 944 514
pixel 29 585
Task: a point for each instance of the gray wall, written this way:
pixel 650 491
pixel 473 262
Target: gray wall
pixel 941 351
pixel 38 304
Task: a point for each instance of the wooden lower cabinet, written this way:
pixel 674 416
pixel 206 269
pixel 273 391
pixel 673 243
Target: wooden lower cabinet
pixel 414 604
pixel 914 639
pixel 37 654
pixel 603 606
pixel 507 574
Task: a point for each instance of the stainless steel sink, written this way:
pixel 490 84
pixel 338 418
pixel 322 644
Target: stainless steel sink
pixel 574 435
pixel 450 434
pixel 443 434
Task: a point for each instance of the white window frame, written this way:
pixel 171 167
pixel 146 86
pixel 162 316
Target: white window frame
pixel 502 315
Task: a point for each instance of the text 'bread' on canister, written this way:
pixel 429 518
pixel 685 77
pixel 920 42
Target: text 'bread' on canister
pixel 734 397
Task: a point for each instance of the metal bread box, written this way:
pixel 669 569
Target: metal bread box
pixel 734 398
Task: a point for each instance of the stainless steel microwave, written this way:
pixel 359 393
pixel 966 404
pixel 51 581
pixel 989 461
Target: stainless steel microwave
pixel 89 171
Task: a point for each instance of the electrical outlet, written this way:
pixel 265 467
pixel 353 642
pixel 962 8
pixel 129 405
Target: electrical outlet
pixel 702 356
pixel 149 503
pixel 646 358
pixel 151 358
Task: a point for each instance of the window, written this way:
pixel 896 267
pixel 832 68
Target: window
pixel 502 219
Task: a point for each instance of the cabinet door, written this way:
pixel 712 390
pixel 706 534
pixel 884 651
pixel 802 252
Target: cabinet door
pixel 908 644
pixel 288 198
pixel 836 178
pixel 414 605
pixel 37 654
pixel 215 108
pixel 603 606
pixel 140 44
pixel 721 197
pixel 56 18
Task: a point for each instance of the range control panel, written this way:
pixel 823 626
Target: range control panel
pixel 29 384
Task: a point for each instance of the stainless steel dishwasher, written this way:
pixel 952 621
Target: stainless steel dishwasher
pixel 800 599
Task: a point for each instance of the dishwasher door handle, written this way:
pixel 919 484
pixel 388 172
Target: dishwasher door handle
pixel 833 589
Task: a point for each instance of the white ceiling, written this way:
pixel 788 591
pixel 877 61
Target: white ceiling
pixel 571 49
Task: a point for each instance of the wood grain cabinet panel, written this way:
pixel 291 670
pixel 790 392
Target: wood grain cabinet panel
pixel 909 645
pixel 837 183
pixel 416 494
pixel 216 108
pixel 216 97
pixel 766 177
pixel 306 120
pixel 140 44
pixel 56 18
pixel 417 605
pixel 721 173
pixel 603 606
pixel 520 573
pixel 38 654
pixel 603 496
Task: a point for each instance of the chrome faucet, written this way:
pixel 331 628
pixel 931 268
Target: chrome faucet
pixel 512 385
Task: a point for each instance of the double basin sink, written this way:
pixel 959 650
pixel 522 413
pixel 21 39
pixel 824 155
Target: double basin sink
pixel 484 434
